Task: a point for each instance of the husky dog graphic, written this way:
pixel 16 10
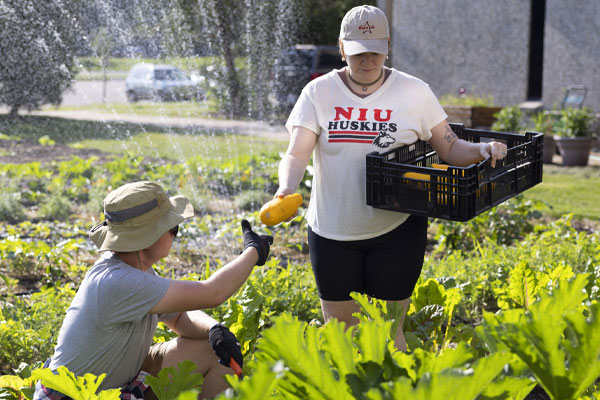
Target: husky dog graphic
pixel 383 140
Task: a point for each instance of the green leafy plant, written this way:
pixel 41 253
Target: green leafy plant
pixel 545 122
pixel 508 119
pixel 18 386
pixel 251 200
pixel 11 209
pixel 57 207
pixel 78 388
pixel 46 141
pixel 503 224
pixel 29 326
pixel 171 382
pixel 331 362
pixel 467 100
pixel 558 338
pixel 575 122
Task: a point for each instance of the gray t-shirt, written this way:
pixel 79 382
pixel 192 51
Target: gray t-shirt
pixel 108 328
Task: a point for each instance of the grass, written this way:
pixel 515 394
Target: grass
pixel 182 109
pixel 93 64
pixel 90 68
pixel 569 190
pixel 183 146
pixel 142 139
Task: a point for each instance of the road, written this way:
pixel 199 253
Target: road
pixel 91 92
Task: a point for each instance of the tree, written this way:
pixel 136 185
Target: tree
pixel 103 44
pixel 222 25
pixel 324 17
pixel 38 44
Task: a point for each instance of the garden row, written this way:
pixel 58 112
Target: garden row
pixel 505 301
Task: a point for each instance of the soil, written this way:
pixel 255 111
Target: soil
pixel 26 151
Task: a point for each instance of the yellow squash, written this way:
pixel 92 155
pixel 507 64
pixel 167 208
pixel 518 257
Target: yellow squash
pixel 280 209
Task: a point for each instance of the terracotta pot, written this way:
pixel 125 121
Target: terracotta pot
pixel 549 148
pixel 575 150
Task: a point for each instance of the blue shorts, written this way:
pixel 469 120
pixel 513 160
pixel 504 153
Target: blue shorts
pixel 386 267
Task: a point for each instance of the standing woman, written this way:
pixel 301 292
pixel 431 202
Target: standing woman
pixel 338 119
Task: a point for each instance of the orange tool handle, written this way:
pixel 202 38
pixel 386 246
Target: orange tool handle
pixel 235 367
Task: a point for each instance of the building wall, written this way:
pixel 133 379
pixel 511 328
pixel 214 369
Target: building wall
pixel 483 45
pixel 571 50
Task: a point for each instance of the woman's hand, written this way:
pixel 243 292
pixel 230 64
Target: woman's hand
pixel 493 150
pixel 281 193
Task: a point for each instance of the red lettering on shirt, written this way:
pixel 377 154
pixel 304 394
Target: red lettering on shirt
pixel 345 113
pixel 377 115
pixel 363 114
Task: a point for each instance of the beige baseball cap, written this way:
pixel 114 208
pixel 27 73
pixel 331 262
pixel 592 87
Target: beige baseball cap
pixel 136 215
pixel 365 30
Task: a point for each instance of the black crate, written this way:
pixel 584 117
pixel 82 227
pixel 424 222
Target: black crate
pixel 404 179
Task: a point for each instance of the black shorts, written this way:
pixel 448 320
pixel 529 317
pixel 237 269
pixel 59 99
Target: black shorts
pixel 386 267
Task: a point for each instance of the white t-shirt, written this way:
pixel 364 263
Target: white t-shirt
pixel 402 111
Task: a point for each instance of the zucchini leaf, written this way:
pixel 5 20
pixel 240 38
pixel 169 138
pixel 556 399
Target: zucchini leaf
pixel 78 388
pixel 557 341
pixel 170 381
pixel 307 373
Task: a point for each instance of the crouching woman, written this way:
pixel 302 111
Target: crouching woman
pixel 111 321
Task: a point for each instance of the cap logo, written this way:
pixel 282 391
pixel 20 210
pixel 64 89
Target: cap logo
pixel 366 27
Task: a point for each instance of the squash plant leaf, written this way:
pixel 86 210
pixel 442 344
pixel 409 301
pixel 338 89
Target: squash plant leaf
pixel 584 350
pixel 259 386
pixel 449 384
pixel 428 362
pixel 78 388
pixel 564 366
pixel 370 308
pixel 14 382
pixel 308 373
pixel 508 388
pixel 171 381
pixel 338 345
pixel 371 339
pixel 189 395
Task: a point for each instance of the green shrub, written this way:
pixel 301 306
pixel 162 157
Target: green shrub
pixel 252 200
pixel 57 207
pixel 29 326
pixel 545 122
pixel 575 122
pixel 503 225
pixel 11 210
pixel 508 119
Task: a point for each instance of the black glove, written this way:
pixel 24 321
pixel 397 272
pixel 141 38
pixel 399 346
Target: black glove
pixel 225 345
pixel 261 243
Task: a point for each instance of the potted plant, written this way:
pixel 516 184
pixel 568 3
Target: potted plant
pixel 508 119
pixel 573 135
pixel 545 121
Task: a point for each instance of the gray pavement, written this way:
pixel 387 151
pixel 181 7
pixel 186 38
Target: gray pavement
pixel 253 128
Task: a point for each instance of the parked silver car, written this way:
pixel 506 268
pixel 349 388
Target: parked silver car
pixel 160 83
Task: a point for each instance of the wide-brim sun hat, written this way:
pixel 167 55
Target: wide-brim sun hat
pixel 365 29
pixel 136 215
